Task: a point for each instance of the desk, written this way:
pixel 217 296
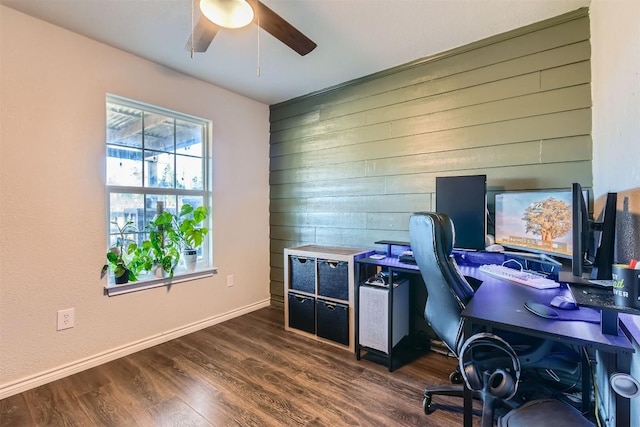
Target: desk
pixel 499 304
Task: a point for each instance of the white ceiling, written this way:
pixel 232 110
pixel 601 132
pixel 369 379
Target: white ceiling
pixel 355 37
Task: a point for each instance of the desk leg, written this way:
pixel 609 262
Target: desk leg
pixel 586 383
pixel 609 321
pixel 356 309
pixel 467 397
pixel 623 404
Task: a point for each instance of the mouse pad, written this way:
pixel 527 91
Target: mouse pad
pixel 584 314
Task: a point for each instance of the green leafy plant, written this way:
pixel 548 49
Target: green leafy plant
pixel 121 255
pixel 163 243
pixel 189 226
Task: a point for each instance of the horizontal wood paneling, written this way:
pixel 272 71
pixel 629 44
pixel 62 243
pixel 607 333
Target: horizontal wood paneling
pixel 349 165
pixel 474 56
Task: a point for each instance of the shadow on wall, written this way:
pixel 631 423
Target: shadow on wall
pixel 627 224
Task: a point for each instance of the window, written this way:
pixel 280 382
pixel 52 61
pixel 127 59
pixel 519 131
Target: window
pixel 156 160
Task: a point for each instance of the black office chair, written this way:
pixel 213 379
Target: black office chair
pixel 432 239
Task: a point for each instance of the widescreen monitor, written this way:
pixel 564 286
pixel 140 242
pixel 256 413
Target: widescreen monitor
pixel 464 200
pixel 535 221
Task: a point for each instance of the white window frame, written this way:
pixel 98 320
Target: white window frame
pixel 205 267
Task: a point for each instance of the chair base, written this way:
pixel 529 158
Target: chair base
pixel 452 390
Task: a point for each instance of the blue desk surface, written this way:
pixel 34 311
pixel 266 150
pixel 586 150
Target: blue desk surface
pixel 392 262
pixel 500 304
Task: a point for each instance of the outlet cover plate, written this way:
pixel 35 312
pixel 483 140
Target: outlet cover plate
pixel 66 318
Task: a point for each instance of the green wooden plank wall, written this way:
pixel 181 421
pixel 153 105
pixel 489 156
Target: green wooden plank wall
pixel 350 164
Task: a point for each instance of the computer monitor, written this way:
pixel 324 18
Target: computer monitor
pixel 599 256
pixel 581 230
pixel 464 200
pixel 603 262
pixel 535 221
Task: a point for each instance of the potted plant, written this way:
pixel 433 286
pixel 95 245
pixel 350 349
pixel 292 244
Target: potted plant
pixel 163 245
pixel 120 256
pixel 190 232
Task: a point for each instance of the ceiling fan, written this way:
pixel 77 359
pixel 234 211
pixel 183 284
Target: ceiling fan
pixel 205 29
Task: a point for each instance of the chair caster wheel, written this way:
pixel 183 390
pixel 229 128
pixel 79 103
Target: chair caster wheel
pixel 456 378
pixel 426 405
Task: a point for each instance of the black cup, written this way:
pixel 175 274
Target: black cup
pixel 626 282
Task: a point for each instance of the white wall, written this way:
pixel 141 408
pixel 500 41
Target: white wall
pixel 52 203
pixel 615 59
pixel 615 65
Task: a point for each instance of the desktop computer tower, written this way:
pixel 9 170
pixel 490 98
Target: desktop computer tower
pixel 373 315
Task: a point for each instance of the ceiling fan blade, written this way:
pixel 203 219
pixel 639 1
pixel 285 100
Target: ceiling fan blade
pixel 203 33
pixel 275 25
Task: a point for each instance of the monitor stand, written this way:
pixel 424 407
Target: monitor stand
pixel 567 276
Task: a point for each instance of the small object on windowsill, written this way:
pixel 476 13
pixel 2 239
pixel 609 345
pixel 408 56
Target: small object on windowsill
pixel 377 256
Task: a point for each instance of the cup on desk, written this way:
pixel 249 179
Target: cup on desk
pixel 626 282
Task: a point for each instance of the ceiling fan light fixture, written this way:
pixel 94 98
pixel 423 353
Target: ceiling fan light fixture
pixel 227 13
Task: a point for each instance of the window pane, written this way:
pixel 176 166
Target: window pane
pixel 127 207
pixel 124 166
pixel 189 173
pixel 159 132
pixel 194 201
pixel 124 126
pixel 189 138
pixel 159 172
pixel 152 200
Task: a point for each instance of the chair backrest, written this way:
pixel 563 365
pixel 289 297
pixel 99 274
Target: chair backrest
pixel 432 238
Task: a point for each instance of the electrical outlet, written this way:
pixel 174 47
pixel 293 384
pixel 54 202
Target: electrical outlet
pixel 230 280
pixel 66 318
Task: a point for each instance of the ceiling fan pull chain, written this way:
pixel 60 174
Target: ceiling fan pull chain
pixel 258 13
pixel 192 28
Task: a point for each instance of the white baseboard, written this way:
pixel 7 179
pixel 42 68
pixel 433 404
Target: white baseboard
pixel 48 376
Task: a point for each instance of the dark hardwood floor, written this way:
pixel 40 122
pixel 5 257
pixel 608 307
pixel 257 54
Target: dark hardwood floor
pixel 244 372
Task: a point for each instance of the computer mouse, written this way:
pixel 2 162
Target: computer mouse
pixel 564 303
pixel 494 248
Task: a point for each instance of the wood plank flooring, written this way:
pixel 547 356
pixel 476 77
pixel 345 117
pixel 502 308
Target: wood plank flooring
pixel 244 372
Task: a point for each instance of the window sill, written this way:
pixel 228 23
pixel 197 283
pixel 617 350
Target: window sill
pixel 113 289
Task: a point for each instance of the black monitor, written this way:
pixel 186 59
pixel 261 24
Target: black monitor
pixel 603 262
pixel 464 200
pixel 581 231
pixel 599 256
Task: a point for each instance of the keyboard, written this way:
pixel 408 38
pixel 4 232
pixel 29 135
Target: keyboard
pixel 518 276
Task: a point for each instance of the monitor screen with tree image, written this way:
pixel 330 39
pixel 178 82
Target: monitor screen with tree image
pixel 535 221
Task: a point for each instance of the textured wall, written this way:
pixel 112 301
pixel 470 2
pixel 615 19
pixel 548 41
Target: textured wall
pixel 52 199
pixel 616 113
pixel 349 165
pixel 615 37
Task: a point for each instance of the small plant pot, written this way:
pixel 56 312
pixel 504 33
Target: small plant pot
pixel 159 272
pixel 122 279
pixel 190 259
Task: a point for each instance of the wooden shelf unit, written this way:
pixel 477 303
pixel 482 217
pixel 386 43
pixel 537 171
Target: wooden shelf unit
pixel 319 283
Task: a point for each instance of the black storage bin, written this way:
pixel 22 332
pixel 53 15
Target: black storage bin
pixel 333 321
pixel 333 279
pixel 302 313
pixel 303 274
